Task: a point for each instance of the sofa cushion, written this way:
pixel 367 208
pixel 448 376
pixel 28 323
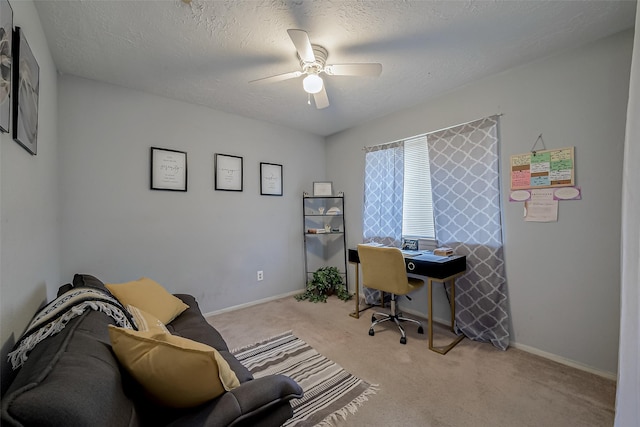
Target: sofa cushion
pixel 176 371
pixel 71 379
pixel 150 296
pixel 87 280
pixel 146 321
pixel 192 324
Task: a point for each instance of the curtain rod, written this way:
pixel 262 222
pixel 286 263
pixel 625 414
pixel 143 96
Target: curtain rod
pixel 427 133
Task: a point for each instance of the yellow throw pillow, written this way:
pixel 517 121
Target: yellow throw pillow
pixel 176 371
pixel 149 296
pixel 146 321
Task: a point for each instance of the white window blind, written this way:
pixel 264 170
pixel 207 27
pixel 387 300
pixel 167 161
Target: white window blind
pixel 417 216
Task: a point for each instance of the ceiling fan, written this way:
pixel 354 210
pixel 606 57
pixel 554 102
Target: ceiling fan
pixel 313 60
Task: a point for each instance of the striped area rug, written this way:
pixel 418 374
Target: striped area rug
pixel 330 393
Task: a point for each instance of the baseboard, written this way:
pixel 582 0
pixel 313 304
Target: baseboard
pixel 565 361
pixel 537 352
pixel 252 303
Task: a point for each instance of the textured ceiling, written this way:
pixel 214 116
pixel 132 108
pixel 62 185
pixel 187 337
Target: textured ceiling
pixel 206 52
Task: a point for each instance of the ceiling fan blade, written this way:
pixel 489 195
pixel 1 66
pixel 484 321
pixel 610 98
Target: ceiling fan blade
pixel 278 77
pixel 301 41
pixel 368 69
pixel 321 99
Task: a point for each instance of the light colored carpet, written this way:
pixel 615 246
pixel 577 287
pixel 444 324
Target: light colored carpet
pixel 473 385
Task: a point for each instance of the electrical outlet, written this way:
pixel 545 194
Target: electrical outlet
pixel 260 275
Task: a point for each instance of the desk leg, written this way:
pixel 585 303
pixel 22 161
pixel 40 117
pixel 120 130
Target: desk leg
pixel 356 313
pixel 443 349
pixel 452 303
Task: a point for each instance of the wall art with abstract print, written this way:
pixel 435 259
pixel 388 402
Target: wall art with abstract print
pixel 6 33
pixel 26 86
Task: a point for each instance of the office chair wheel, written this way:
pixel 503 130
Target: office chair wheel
pixel 373 318
pixel 403 340
pixel 371 332
pixel 420 330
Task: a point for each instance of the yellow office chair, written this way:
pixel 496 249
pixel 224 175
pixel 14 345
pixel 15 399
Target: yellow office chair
pixel 384 269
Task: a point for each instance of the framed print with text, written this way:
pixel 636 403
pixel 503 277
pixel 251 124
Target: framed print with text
pixel 228 172
pixel 323 189
pixel 168 169
pixel 270 179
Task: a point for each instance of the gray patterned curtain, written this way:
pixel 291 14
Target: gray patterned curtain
pixel 465 182
pixel 383 194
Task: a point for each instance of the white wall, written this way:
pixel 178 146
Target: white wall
pixel 564 277
pixel 83 204
pixel 203 242
pixel 30 243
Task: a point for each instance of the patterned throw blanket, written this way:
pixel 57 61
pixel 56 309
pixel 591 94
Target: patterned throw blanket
pixel 53 317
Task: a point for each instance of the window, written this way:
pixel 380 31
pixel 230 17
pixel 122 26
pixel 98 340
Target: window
pixel 417 209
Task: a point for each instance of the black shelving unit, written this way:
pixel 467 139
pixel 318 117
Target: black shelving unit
pixel 325 239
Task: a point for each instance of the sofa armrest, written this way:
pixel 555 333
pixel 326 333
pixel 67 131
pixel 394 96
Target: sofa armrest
pixel 252 400
pixel 266 391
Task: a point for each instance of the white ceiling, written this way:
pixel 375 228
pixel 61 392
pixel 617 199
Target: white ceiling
pixel 206 52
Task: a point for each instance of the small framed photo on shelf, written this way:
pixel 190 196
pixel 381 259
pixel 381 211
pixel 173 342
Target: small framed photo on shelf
pixel 270 179
pixel 323 188
pixel 168 169
pixel 228 172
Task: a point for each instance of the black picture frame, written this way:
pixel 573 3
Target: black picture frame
pixel 168 169
pixel 228 174
pixel 26 90
pixel 270 179
pixel 6 49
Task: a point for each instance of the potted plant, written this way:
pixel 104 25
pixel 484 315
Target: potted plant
pixel 325 281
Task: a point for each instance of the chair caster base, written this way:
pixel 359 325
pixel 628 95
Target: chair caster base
pixel 371 332
pixel 403 340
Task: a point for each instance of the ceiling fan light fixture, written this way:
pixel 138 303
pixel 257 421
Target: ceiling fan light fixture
pixel 312 83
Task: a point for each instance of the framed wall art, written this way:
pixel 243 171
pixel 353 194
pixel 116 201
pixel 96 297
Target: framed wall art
pixel 323 188
pixel 26 88
pixel 168 169
pixel 270 179
pixel 6 48
pixel 228 172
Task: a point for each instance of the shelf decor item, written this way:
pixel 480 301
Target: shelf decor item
pixel 26 89
pixel 168 169
pixel 323 189
pixel 270 179
pixel 6 38
pixel 228 172
pixel 326 281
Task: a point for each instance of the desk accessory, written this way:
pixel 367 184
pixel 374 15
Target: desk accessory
pixel 443 251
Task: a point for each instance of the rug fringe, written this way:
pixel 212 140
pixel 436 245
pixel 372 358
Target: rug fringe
pixel 350 409
pixel 263 341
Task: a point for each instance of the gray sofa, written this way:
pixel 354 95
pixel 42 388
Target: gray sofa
pixel 73 379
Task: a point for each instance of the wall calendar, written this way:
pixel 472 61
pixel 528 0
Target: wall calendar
pixel 543 169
